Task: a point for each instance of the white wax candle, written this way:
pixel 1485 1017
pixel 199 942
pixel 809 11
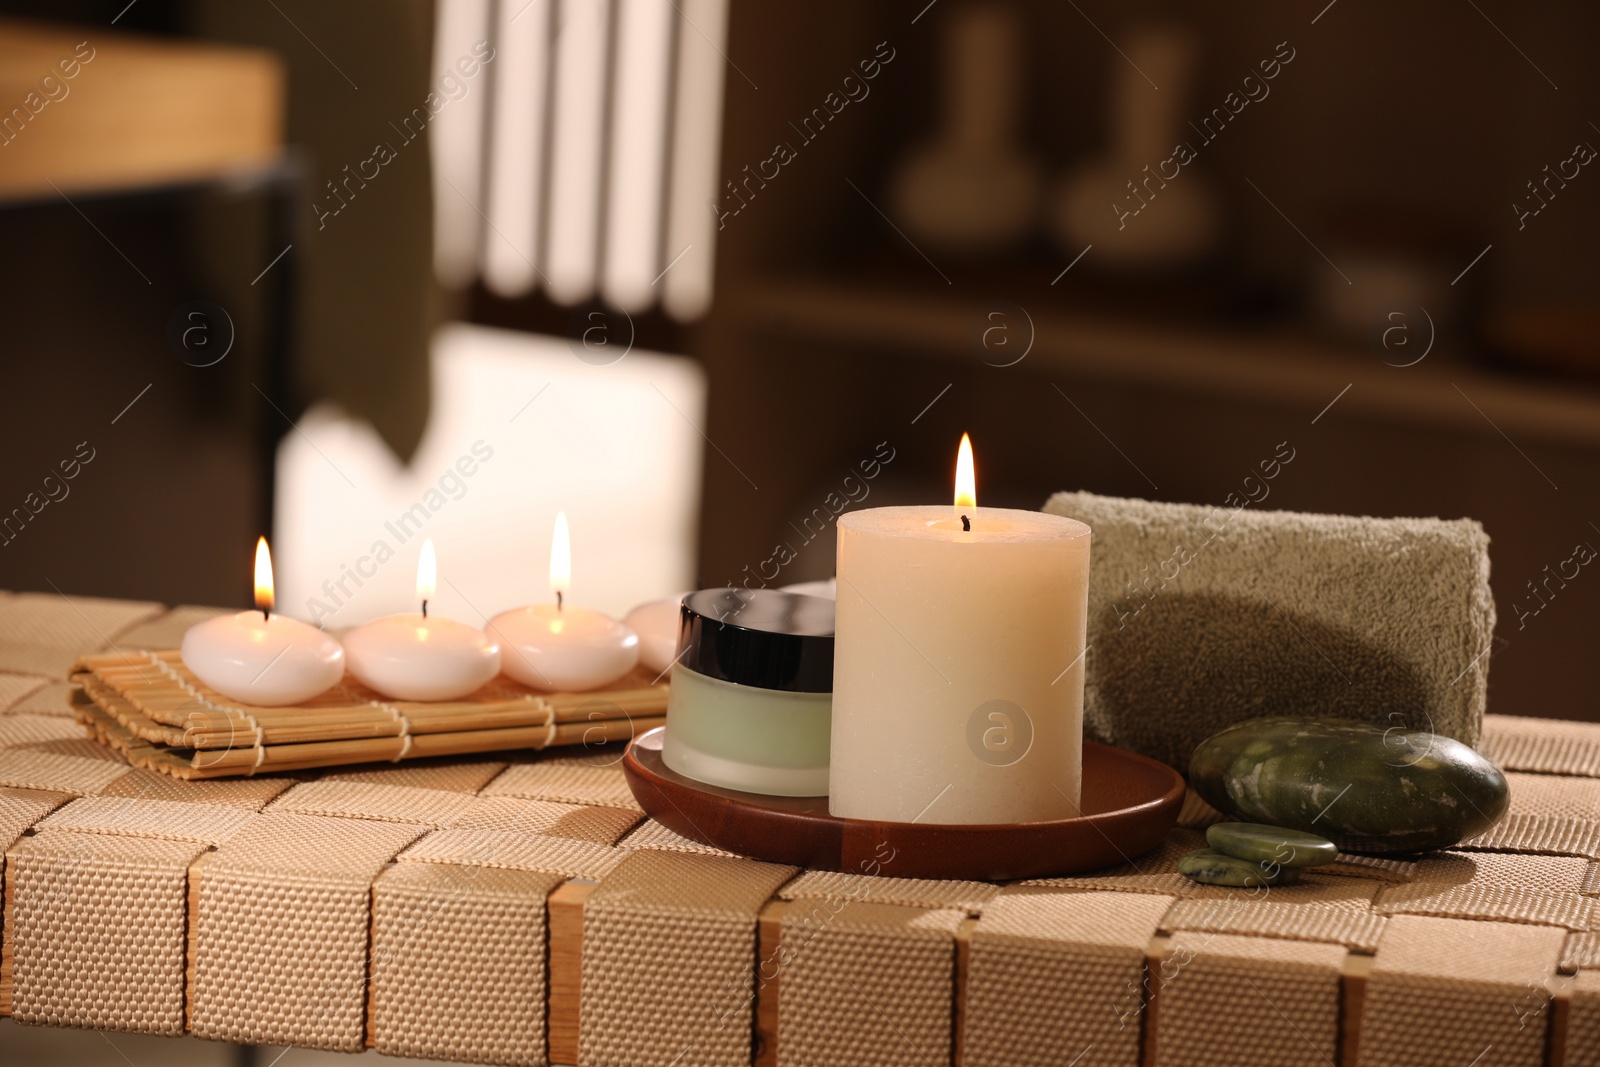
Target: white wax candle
pixel 422 656
pixel 656 623
pixel 559 647
pixel 958 666
pixel 256 657
pixel 564 649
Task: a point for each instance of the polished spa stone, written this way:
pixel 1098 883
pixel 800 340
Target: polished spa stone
pixel 1210 867
pixel 1365 788
pixel 1257 842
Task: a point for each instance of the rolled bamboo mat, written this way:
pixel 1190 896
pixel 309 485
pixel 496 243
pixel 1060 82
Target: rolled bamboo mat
pixel 153 710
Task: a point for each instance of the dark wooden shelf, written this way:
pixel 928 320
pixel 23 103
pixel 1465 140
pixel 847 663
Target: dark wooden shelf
pixel 1277 366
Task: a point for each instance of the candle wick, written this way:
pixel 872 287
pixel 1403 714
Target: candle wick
pixel 424 609
pixel 558 600
pixel 266 614
pixel 966 524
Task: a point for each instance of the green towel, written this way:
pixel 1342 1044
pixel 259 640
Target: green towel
pixel 1201 617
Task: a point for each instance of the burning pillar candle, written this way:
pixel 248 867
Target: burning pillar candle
pixel 561 647
pixel 422 656
pixel 958 671
pixel 256 657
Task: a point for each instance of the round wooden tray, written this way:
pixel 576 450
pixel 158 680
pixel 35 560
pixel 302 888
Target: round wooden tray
pixel 1129 803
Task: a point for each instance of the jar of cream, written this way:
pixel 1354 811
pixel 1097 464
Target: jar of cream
pixel 751 702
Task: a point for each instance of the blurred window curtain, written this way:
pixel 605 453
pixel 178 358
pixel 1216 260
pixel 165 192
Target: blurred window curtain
pixel 366 297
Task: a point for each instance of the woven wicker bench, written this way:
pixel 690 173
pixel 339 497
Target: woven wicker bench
pixel 521 910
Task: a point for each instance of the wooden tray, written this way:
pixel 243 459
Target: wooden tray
pixel 1129 803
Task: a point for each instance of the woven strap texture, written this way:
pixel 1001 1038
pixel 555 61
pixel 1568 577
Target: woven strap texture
pixel 868 984
pixel 1583 1025
pixel 516 851
pixel 1340 916
pixel 567 779
pixel 376 800
pixel 1496 886
pixel 669 943
pixel 1056 974
pixel 202 823
pixel 282 927
pixel 1545 746
pixel 440 989
pixel 601 825
pixel 1449 991
pixel 96 924
pixel 44 634
pixel 969 897
pixel 1227 1001
pixel 651 834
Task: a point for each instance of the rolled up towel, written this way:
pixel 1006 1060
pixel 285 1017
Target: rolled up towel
pixel 1200 617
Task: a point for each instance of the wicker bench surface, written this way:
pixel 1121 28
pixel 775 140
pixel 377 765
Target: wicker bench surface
pixel 520 909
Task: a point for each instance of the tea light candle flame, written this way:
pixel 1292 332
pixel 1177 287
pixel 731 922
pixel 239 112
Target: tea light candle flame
pixel 427 574
pixel 966 482
pixel 264 599
pixel 561 559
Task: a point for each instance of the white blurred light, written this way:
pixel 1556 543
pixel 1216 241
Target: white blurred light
pixel 615 447
pixel 697 133
pixel 638 152
pixel 576 175
pixel 456 137
pixel 510 253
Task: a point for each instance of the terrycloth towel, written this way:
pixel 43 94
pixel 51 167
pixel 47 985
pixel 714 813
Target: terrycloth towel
pixel 1200 617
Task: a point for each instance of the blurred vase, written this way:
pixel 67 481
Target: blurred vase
pixel 1136 217
pixel 973 189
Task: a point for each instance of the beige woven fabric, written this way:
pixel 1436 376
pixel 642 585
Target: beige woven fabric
pixel 1495 886
pixel 1154 872
pixel 52 698
pixel 440 988
pixel 29 768
pixel 1583 1021
pixel 570 780
pixel 1591 881
pixel 1557 835
pixel 250 794
pixel 1353 927
pixel 1547 746
pixel 651 834
pixel 1448 991
pixel 1582 952
pixel 1381 868
pixel 603 826
pixel 461 776
pixel 165 630
pixel 14 687
pixel 20 809
pixel 525 852
pixel 1197 814
pixel 45 633
pixel 669 946
pixel 200 823
pixel 871 987
pixel 912 892
pixel 97 931
pixel 1055 973
pixel 1227 1001
pixel 1553 795
pixel 22 729
pixel 281 930
pixel 371 800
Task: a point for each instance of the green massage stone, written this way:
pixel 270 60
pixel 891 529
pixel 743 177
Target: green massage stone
pixel 1365 788
pixel 1210 867
pixel 1256 841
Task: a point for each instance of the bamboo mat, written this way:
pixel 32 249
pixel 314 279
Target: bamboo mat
pixel 153 710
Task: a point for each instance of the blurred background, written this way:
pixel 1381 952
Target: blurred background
pixel 704 273
pixel 688 268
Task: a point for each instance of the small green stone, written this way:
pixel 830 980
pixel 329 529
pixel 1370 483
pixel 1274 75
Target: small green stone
pixel 1257 842
pixel 1210 867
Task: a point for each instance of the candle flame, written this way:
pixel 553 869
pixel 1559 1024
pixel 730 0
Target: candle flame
pixel 264 599
pixel 966 477
pixel 561 558
pixel 427 572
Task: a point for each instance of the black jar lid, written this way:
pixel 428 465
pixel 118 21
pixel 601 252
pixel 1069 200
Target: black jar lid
pixel 758 637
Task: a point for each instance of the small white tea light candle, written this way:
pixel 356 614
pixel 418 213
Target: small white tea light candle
pixel 562 648
pixel 256 657
pixel 422 656
pixel 958 665
pixel 656 623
